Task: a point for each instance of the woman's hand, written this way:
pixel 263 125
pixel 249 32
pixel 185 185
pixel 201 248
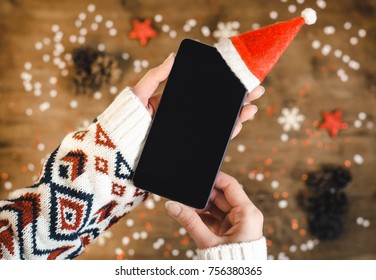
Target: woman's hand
pixel 230 216
pixel 146 88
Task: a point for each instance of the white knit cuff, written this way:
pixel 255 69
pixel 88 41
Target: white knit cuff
pixel 252 250
pixel 128 122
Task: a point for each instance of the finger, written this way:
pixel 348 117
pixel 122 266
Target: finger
pixel 209 220
pixel 247 113
pixel 248 214
pixel 212 223
pixel 237 129
pixel 154 103
pixel 232 190
pixel 213 210
pixel 193 224
pixel 218 199
pixel 255 94
pixel 150 82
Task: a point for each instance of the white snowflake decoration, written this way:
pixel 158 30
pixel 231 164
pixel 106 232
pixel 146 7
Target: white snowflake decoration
pixel 226 30
pixel 290 119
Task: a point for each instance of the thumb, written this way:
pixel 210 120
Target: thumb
pixel 191 221
pixel 150 82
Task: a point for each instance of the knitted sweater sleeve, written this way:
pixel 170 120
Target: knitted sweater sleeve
pixel 85 187
pixel 251 250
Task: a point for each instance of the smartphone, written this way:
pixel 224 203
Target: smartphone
pixel 192 126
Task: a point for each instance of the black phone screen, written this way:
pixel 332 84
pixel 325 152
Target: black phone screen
pixel 192 126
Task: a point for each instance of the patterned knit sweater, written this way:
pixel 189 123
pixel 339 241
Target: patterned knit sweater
pixel 84 188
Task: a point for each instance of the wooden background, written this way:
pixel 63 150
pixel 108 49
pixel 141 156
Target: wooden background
pixel 314 75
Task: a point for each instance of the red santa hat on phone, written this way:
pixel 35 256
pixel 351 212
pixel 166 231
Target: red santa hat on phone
pixel 253 54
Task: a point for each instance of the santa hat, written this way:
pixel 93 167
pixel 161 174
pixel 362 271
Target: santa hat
pixel 253 54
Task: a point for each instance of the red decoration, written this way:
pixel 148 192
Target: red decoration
pixel 333 122
pixel 143 31
pixel 260 49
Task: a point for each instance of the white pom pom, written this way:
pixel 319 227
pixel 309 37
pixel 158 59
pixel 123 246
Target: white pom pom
pixel 309 16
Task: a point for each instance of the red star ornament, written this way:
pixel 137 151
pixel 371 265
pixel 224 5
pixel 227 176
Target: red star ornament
pixel 333 122
pixel 143 31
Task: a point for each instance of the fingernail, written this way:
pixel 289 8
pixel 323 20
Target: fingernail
pixel 255 109
pixel 170 55
pixel 262 89
pixel 173 208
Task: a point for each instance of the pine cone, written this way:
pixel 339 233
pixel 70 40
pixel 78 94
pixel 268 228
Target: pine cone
pixel 328 177
pixel 93 69
pixel 328 203
pixel 325 201
pixel 340 176
pixel 325 227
